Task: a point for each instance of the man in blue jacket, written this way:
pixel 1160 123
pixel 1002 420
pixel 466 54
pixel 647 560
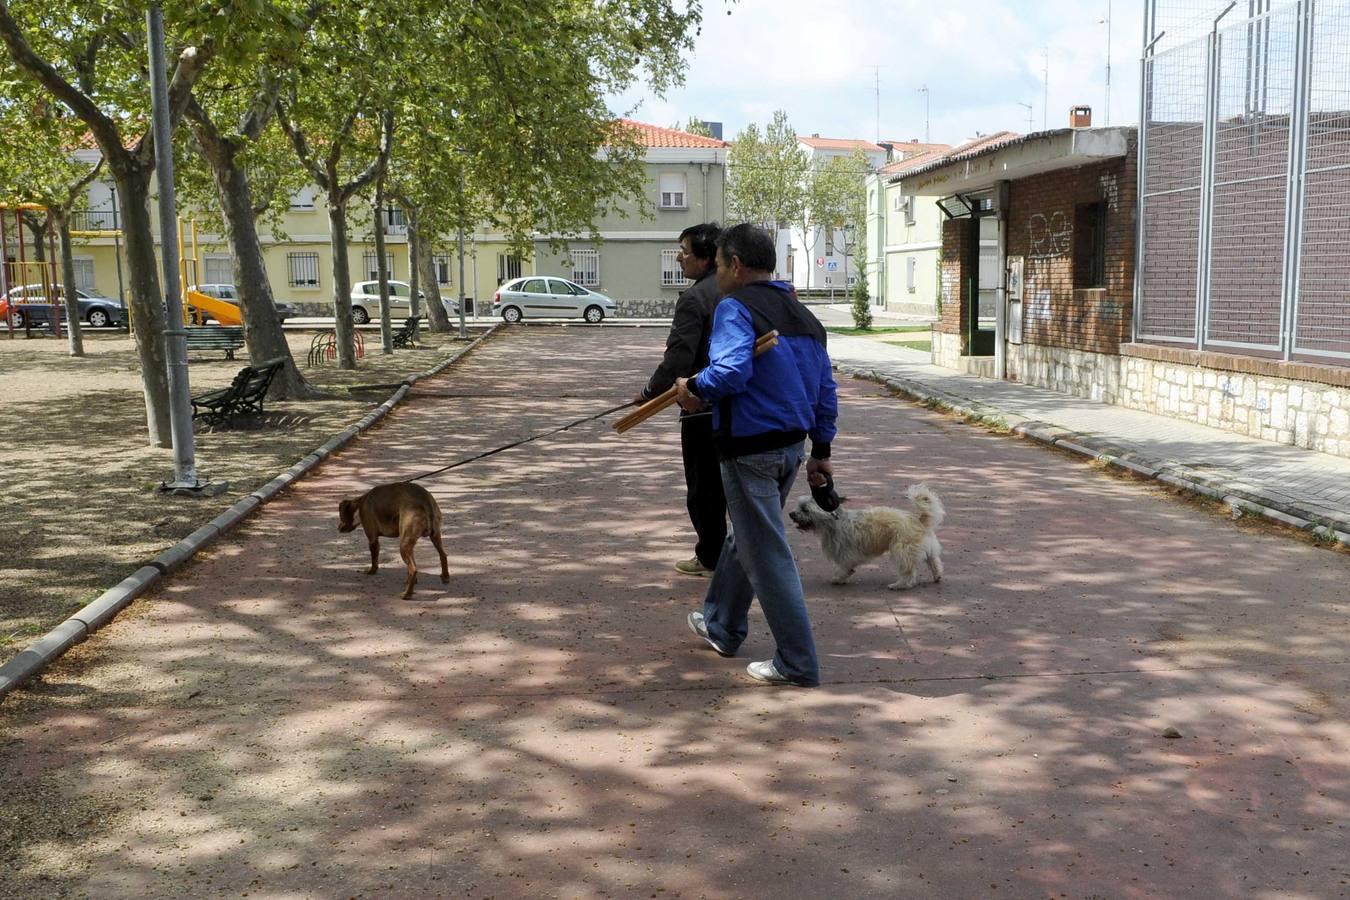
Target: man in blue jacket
pixel 763 410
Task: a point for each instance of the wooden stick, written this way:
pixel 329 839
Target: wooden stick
pixel 763 344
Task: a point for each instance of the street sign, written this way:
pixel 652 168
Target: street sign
pixel 820 261
pixel 832 266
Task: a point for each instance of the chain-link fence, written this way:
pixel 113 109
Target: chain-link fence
pixel 1245 174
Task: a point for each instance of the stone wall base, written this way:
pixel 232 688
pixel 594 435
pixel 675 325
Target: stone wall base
pixel 946 350
pixel 1300 413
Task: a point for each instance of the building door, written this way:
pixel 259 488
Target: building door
pixel 983 270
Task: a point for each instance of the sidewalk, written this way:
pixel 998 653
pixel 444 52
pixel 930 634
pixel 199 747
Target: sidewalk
pixel 1298 487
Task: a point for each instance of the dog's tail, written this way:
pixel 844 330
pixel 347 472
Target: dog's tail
pixel 928 505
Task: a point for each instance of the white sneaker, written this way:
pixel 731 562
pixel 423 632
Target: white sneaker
pixel 700 628
pixel 767 673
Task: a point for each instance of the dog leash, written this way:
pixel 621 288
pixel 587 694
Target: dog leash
pixel 523 441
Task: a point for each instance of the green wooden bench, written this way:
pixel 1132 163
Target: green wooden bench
pixel 216 337
pixel 244 395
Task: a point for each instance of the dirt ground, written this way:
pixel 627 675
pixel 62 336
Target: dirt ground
pixel 79 501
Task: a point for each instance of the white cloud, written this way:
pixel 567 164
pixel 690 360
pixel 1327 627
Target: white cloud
pixel 979 58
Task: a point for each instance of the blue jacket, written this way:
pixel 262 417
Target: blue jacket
pixel 779 398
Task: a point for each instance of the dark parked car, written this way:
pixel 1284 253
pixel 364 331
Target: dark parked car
pixel 228 293
pixel 97 312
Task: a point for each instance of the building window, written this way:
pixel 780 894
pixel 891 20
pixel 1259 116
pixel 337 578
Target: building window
pixel 394 221
pixel 372 264
pixel 897 202
pixel 84 275
pixel 1089 258
pixel 442 263
pixel 508 267
pixel 673 188
pixel 303 198
pixel 218 270
pixel 829 242
pixel 909 210
pixel 671 274
pixel 911 266
pixel 586 267
pixel 303 269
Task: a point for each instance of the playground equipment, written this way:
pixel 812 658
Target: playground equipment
pixel 323 348
pixel 196 305
pixel 21 273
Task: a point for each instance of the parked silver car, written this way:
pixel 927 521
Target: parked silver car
pixel 366 301
pixel 538 296
pixel 98 312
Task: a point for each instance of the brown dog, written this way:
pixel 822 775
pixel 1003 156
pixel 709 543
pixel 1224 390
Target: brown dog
pixel 403 510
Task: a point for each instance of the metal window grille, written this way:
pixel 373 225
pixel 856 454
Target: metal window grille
pixel 303 269
pixel 93 220
pixel 219 270
pixel 671 274
pixel 444 265
pixel 586 267
pixel 508 267
pixel 372 264
pixel 84 274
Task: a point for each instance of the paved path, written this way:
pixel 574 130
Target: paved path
pixel 273 722
pixel 1305 483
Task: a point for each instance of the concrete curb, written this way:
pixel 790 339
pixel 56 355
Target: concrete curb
pixel 1243 499
pixel 37 656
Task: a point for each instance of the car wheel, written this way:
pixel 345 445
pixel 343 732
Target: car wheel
pixel 98 318
pixel 16 318
pixel 359 315
pixel 511 315
pixel 595 315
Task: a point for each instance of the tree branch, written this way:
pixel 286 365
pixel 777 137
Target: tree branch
pixel 381 161
pixel 301 146
pixel 103 128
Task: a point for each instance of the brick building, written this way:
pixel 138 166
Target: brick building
pixel 1037 256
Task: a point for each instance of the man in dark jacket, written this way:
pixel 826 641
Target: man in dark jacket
pixel 764 408
pixel 687 353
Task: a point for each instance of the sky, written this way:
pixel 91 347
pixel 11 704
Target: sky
pixel 980 59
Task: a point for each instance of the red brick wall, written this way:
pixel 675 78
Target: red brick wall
pixel 955 283
pixel 1045 213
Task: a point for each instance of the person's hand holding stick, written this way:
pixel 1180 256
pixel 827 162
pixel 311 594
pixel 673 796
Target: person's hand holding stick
pixel 644 412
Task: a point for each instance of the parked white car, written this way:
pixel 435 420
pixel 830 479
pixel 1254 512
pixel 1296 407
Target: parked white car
pixel 539 296
pixel 366 301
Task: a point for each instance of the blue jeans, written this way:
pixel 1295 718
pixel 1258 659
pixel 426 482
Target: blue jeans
pixel 756 561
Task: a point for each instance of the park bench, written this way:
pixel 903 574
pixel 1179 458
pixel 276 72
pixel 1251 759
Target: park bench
pixel 244 395
pixel 404 337
pixel 216 337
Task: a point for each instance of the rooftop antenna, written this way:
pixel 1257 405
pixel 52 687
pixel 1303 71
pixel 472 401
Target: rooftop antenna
pixel 876 71
pixel 927 134
pixel 1045 109
pixel 1107 23
pixel 1030 117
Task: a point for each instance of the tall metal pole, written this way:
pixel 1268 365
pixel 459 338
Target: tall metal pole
pixel 175 336
pixel 1045 109
pixel 117 258
pixel 1108 62
pixel 463 331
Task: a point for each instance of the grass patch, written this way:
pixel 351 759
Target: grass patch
pixel 870 332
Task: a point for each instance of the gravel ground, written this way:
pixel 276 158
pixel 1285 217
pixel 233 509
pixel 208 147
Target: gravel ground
pixel 79 500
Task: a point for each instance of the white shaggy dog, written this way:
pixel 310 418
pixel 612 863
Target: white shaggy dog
pixel 851 538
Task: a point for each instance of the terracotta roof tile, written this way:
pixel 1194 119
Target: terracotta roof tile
pixel 951 154
pixel 656 136
pixel 820 143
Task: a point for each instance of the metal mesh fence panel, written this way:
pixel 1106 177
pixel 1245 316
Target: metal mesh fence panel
pixel 1323 312
pixel 1174 111
pixel 1256 71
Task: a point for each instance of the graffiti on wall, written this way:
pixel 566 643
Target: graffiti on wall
pixel 1049 236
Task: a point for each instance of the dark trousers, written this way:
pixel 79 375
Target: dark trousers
pixel 703 479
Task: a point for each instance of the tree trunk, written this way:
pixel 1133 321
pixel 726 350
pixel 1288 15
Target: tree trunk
pixel 382 270
pixel 414 276
pixel 439 321
pixel 61 221
pixel 147 302
pixel 342 281
pixel 262 329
